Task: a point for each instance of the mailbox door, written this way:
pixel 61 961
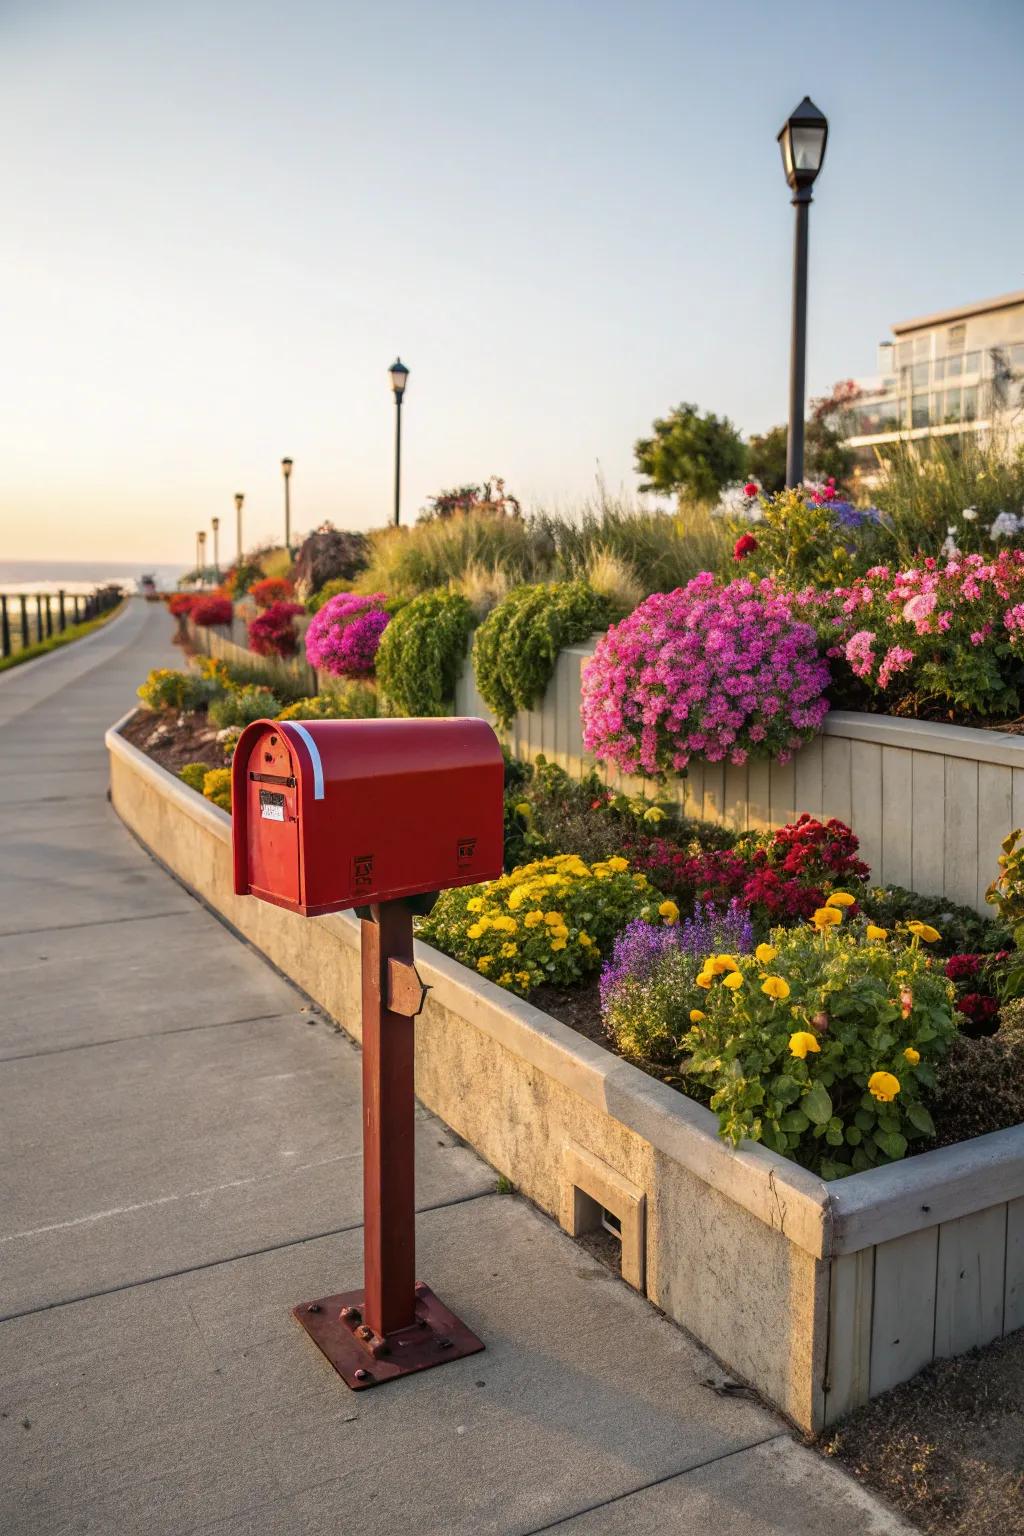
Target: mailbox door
pixel 272 810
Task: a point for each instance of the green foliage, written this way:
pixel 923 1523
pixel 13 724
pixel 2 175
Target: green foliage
pixel 329 589
pixel 661 549
pixel 421 653
pixel 353 701
pixel 979 1088
pixel 1006 894
pixel 961 929
pixel 217 787
pixel 241 577
pixel 286 680
pixel 690 454
pixel 928 485
pixel 822 1073
pixel 166 689
pixel 240 706
pixel 193 774
pixel 799 543
pixel 547 921
pixel 407 561
pixel 517 645
pixel 56 642
pixel 647 1017
pixel 825 455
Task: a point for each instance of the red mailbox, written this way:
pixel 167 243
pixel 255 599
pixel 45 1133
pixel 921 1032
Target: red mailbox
pixel 378 815
pixel 347 813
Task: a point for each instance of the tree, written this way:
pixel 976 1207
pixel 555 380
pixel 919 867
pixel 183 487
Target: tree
pixel 690 454
pixel 825 454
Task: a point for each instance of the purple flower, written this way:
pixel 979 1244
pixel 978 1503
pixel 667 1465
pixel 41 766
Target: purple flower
pixel 641 947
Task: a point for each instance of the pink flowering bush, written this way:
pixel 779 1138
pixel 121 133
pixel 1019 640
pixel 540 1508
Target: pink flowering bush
pixel 710 671
pixel 344 635
pixel 944 637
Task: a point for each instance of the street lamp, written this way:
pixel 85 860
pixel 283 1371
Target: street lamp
pixel 201 536
pixel 802 142
pixel 286 470
pixel 399 374
pixel 215 525
pixel 239 499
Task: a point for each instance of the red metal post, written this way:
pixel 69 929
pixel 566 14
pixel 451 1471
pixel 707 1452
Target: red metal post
pixel 389 1204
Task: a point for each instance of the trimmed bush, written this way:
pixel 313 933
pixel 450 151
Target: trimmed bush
pixel 168 689
pixel 355 701
pixel 240 706
pixel 211 612
pixel 421 653
pixel 517 645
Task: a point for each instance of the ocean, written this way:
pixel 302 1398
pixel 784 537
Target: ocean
pixel 83 576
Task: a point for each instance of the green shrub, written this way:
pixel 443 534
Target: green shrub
pixel 329 589
pixel 407 561
pixel 823 1045
pixel 663 550
pixel 421 653
pixel 979 1088
pixel 929 484
pixel 353 701
pixel 179 691
pixel 961 929
pixel 240 706
pixel 194 775
pixel 517 646
pixel 217 787
pixel 549 921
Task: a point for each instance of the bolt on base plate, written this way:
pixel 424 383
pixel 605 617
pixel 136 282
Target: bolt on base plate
pixel 362 1359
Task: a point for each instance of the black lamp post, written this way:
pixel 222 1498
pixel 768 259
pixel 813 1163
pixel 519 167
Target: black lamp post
pixel 201 536
pixel 802 142
pixel 215 525
pixel 399 374
pixel 239 500
pixel 286 470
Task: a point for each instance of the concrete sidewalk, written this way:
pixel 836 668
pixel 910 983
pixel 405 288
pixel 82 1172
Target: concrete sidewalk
pixel 181 1165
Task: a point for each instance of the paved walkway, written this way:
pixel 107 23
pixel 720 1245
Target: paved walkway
pixel 180 1165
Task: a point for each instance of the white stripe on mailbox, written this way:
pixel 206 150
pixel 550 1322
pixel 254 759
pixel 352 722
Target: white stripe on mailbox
pixel 318 767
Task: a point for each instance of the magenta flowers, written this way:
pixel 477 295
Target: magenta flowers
pixel 709 671
pixel 343 637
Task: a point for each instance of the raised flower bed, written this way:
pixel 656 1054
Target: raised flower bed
pixel 819 1294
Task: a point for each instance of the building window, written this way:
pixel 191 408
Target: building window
pixel 956 338
pixel 954 367
pixel 919 411
pixel 920 375
pixel 951 408
pixel 970 407
pixel 972 362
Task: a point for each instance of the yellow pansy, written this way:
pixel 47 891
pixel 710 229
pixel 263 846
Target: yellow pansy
pixel 912 1056
pixel 696 1015
pixel 669 911
pixel 719 964
pixel 733 981
pixel 765 953
pixel 507 951
pixel 826 917
pixel 553 919
pixel 533 918
pixel 840 899
pixel 504 978
pixel 523 978
pixel 557 944
pixel 523 808
pixel 475 904
pixel 585 938
pixel 484 963
pixel 775 987
pixel 883 1086
pixel 618 864
pixel 705 979
pixel 924 931
pixel 802 1041
pixel 474 930
pixel 874 932
pixel 655 814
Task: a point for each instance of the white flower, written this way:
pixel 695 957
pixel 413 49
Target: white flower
pixel 1005 526
pixel 969 514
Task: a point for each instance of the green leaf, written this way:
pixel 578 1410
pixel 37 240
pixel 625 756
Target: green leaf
pixel 817 1104
pixel 892 1143
pixel 854 1135
pixel 920 1118
pixel 794 1120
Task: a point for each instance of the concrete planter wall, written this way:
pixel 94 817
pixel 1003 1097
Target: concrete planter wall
pixel 930 803
pixel 819 1295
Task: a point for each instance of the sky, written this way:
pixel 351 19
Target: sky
pixel 223 219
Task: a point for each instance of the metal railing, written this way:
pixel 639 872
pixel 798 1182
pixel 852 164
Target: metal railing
pixel 27 619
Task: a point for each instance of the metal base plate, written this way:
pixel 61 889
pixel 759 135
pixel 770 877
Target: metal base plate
pixel 436 1337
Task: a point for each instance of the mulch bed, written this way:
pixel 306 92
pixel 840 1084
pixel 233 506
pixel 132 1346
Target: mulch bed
pixel 174 741
pixel 947 1449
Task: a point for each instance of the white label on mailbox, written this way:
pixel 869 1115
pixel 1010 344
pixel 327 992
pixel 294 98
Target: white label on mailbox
pixel 271 805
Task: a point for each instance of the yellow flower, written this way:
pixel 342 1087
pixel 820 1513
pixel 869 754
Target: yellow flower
pixel 561 932
pixel 669 911
pixel 733 981
pixel 585 938
pixel 523 978
pixel 504 978
pixel 507 951
pixel 484 963
pixel 618 864
pixel 912 1056
pixel 776 987
pixel 826 917
pixel 874 932
pixel 765 953
pixel 474 930
pixel 475 904
pixel 696 1015
pixel 705 979
pixel 719 964
pixel 553 919
pixel 840 899
pixel 533 918
pixel 557 944
pixel 654 814
pixel 523 808
pixel 883 1086
pixel 924 931
pixel 639 881
pixel 801 1042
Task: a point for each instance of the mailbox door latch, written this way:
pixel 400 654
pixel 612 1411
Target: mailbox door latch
pixel 406 992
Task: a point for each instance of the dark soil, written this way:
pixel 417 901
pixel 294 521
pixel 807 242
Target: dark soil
pixel 579 1007
pixel 172 740
pixel 947 1449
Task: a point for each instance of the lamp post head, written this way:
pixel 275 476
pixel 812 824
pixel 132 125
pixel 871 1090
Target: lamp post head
pixel 239 498
pixel 399 374
pixel 215 523
pixel 802 139
pixel 286 467
pixel 201 536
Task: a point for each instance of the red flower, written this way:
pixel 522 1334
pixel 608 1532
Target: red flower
pixel 750 489
pixel 963 967
pixel 744 545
